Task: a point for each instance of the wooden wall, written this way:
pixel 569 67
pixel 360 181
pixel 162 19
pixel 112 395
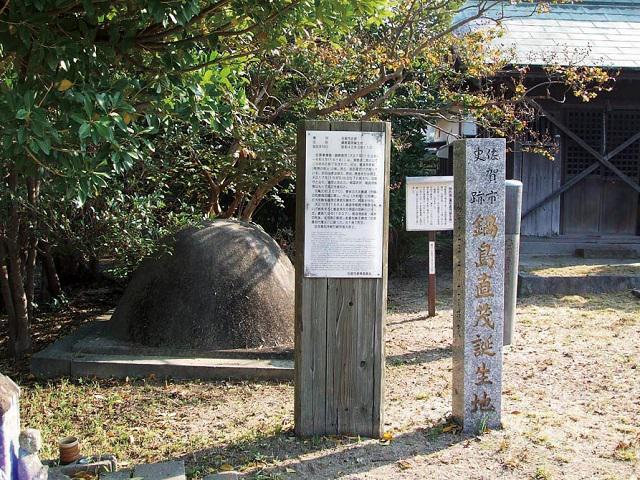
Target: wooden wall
pixel 540 177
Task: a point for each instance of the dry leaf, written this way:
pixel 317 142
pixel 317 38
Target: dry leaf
pixel 65 85
pixel 404 465
pixel 225 467
pixel 451 428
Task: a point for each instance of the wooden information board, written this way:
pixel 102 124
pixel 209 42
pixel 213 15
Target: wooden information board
pixel 342 204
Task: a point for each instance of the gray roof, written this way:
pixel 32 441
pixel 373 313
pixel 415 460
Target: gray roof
pixel 590 32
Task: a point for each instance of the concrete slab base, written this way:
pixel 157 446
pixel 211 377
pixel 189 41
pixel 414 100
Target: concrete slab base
pixel 563 275
pixel 90 352
pixel 155 471
pixel 529 284
pixel 161 471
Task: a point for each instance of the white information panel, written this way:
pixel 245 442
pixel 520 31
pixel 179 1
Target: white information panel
pixel 344 204
pixel 429 203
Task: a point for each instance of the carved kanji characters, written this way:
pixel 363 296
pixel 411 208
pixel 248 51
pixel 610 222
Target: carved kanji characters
pixel 484 288
pixel 483 316
pixel 478 154
pixel 483 347
pixel 482 403
pixel 486 257
pixel 492 174
pixel 485 226
pixel 482 374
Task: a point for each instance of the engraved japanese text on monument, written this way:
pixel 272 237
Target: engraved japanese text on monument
pixel 479 264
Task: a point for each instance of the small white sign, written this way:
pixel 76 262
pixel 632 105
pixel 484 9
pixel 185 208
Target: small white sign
pixel 344 204
pixel 432 258
pixel 429 203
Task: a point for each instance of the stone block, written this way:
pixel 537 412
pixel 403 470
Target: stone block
pixel 30 440
pixel 119 475
pixel 161 471
pixel 30 468
pixel 9 426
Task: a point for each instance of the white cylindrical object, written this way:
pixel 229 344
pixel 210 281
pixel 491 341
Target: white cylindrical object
pixel 513 213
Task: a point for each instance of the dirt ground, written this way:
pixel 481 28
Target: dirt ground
pixel 571 405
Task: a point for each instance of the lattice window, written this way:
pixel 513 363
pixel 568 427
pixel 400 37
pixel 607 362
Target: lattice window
pixel 586 124
pixel 622 125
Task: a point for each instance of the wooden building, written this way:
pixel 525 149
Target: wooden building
pixel 589 195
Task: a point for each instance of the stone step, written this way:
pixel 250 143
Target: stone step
pixel 606 252
pixel 119 475
pixel 161 471
pixel 154 471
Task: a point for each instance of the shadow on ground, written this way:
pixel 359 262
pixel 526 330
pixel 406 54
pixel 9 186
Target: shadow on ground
pixel 420 356
pixel 320 457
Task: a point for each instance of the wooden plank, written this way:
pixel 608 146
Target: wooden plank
pixel 556 182
pixel 581 207
pixel 615 220
pixel 365 356
pixel 381 301
pixel 333 377
pixel 569 184
pixel 537 174
pixel 341 314
pixel 310 315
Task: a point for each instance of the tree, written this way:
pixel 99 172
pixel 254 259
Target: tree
pixel 88 83
pixel 90 88
pixel 405 64
pixel 409 65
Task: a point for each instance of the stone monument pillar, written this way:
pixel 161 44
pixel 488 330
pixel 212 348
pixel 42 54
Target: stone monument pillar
pixel 513 212
pixel 478 282
pixel 9 426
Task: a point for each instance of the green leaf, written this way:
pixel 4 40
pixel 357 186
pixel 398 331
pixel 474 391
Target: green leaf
pixel 22 114
pixel 84 131
pixel 44 145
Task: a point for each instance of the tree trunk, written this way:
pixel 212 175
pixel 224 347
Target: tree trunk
pixel 31 242
pixel 259 194
pixel 30 275
pixel 7 299
pixel 21 342
pixel 19 328
pixel 235 203
pixel 50 272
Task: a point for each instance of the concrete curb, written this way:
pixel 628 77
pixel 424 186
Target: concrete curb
pixel 529 284
pixel 62 359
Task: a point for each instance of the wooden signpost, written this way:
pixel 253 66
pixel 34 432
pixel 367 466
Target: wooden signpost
pixel 342 209
pixel 429 207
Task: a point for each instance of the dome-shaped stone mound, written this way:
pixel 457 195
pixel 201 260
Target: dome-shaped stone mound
pixel 224 285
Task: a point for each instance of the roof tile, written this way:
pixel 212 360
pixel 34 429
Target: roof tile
pixel 594 32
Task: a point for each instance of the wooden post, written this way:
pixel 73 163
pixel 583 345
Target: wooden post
pixel 431 289
pixel 339 329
